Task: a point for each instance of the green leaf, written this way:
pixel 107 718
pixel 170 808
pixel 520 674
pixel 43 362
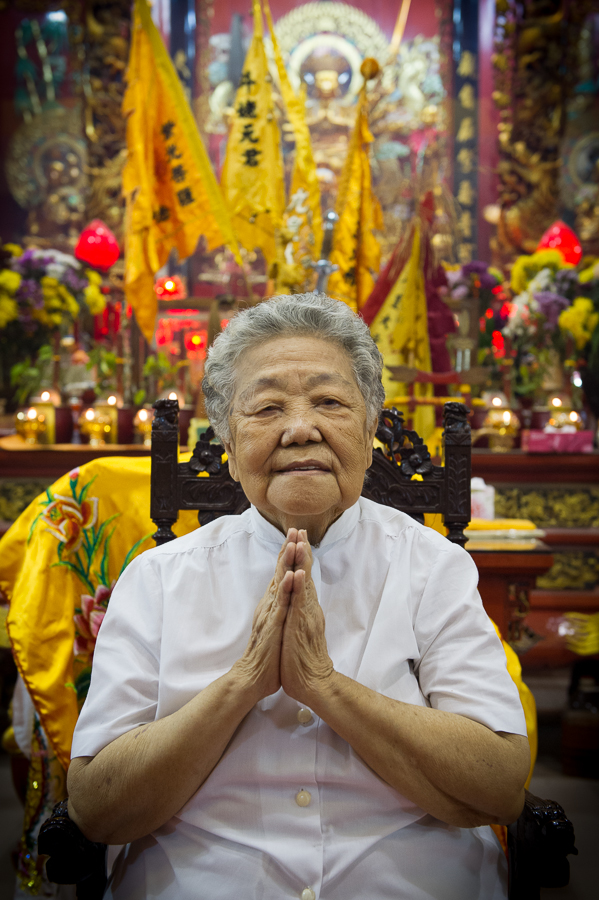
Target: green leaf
pixel 81 575
pixel 28 375
pixel 85 490
pixel 133 551
pixel 139 397
pixel 33 524
pixel 104 525
pixel 104 561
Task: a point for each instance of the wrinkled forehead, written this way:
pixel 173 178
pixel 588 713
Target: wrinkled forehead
pixel 288 360
pixel 284 383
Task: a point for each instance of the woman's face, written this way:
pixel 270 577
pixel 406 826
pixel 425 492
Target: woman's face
pixel 300 442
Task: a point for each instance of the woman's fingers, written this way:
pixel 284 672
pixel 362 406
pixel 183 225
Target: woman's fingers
pixel 299 585
pixel 303 569
pixel 286 558
pixel 303 554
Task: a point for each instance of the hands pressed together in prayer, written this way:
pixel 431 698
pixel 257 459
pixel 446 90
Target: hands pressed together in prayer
pixel 287 647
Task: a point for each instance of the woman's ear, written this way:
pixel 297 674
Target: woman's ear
pixel 370 441
pixel 231 460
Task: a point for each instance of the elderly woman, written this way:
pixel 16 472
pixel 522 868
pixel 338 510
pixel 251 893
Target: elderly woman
pixel 307 700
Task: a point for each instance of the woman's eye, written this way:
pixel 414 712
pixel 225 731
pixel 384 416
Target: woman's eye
pixel 330 402
pixel 267 409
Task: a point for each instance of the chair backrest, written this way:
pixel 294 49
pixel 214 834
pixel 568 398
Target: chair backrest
pixel 442 489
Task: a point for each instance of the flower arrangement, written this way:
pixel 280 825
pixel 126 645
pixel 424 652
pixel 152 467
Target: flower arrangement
pixel 42 292
pixel 550 317
pixel 475 278
pixel 483 285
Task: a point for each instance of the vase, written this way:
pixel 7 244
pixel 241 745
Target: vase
pixel 553 379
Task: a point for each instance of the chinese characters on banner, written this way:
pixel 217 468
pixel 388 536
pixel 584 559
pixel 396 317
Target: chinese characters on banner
pixel 252 179
pixel 171 191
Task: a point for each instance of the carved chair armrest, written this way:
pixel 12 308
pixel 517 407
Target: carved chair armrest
pixel 73 859
pixel 538 845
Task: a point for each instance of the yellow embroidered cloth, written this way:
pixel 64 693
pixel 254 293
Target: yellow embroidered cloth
pixel 59 561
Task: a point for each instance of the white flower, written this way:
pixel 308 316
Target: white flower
pixel 59 262
pixel 519 323
pixel 543 281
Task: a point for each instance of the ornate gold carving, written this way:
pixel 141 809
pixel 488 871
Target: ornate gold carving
pixel 16 495
pixel 337 18
pixel 550 507
pixel 105 196
pixel 535 71
pixel 571 569
pixel 46 165
pixel 107 49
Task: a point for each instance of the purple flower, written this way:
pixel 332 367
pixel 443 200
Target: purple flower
pixel 476 267
pixel 487 281
pixel 454 276
pixel 30 290
pixel 460 292
pixel 565 280
pixel 73 282
pixel 551 305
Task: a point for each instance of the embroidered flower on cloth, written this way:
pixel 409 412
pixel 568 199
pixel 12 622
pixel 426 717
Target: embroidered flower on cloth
pixel 88 621
pixel 66 520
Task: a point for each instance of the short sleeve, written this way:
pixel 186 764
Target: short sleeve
pixel 124 684
pixel 462 667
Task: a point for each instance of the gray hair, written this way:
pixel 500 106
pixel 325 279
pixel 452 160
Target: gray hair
pixel 301 314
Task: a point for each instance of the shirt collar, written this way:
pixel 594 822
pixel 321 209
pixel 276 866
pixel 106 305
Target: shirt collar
pixel 340 529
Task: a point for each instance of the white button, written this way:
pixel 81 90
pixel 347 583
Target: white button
pixel 307 894
pixel 303 798
pixel 304 716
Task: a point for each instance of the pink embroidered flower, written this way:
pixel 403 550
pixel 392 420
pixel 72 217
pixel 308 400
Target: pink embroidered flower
pixel 88 621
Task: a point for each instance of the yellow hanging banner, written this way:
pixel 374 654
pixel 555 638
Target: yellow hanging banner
pixel 356 250
pixel 400 330
pixel 172 195
pixel 252 179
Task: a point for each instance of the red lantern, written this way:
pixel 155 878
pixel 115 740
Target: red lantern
pixel 97 246
pixel 170 287
pixel 560 237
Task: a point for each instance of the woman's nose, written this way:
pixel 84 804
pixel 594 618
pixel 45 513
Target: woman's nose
pixel 300 429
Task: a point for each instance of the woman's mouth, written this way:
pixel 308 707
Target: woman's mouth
pixel 309 466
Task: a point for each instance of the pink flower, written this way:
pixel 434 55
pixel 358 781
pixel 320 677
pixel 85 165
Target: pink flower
pixel 88 621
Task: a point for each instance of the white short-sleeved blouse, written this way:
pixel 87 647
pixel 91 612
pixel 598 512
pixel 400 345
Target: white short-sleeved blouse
pixel 403 616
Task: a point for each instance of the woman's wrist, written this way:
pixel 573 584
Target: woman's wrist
pixel 323 691
pixel 244 684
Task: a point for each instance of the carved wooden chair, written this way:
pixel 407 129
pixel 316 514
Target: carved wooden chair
pixel 541 839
